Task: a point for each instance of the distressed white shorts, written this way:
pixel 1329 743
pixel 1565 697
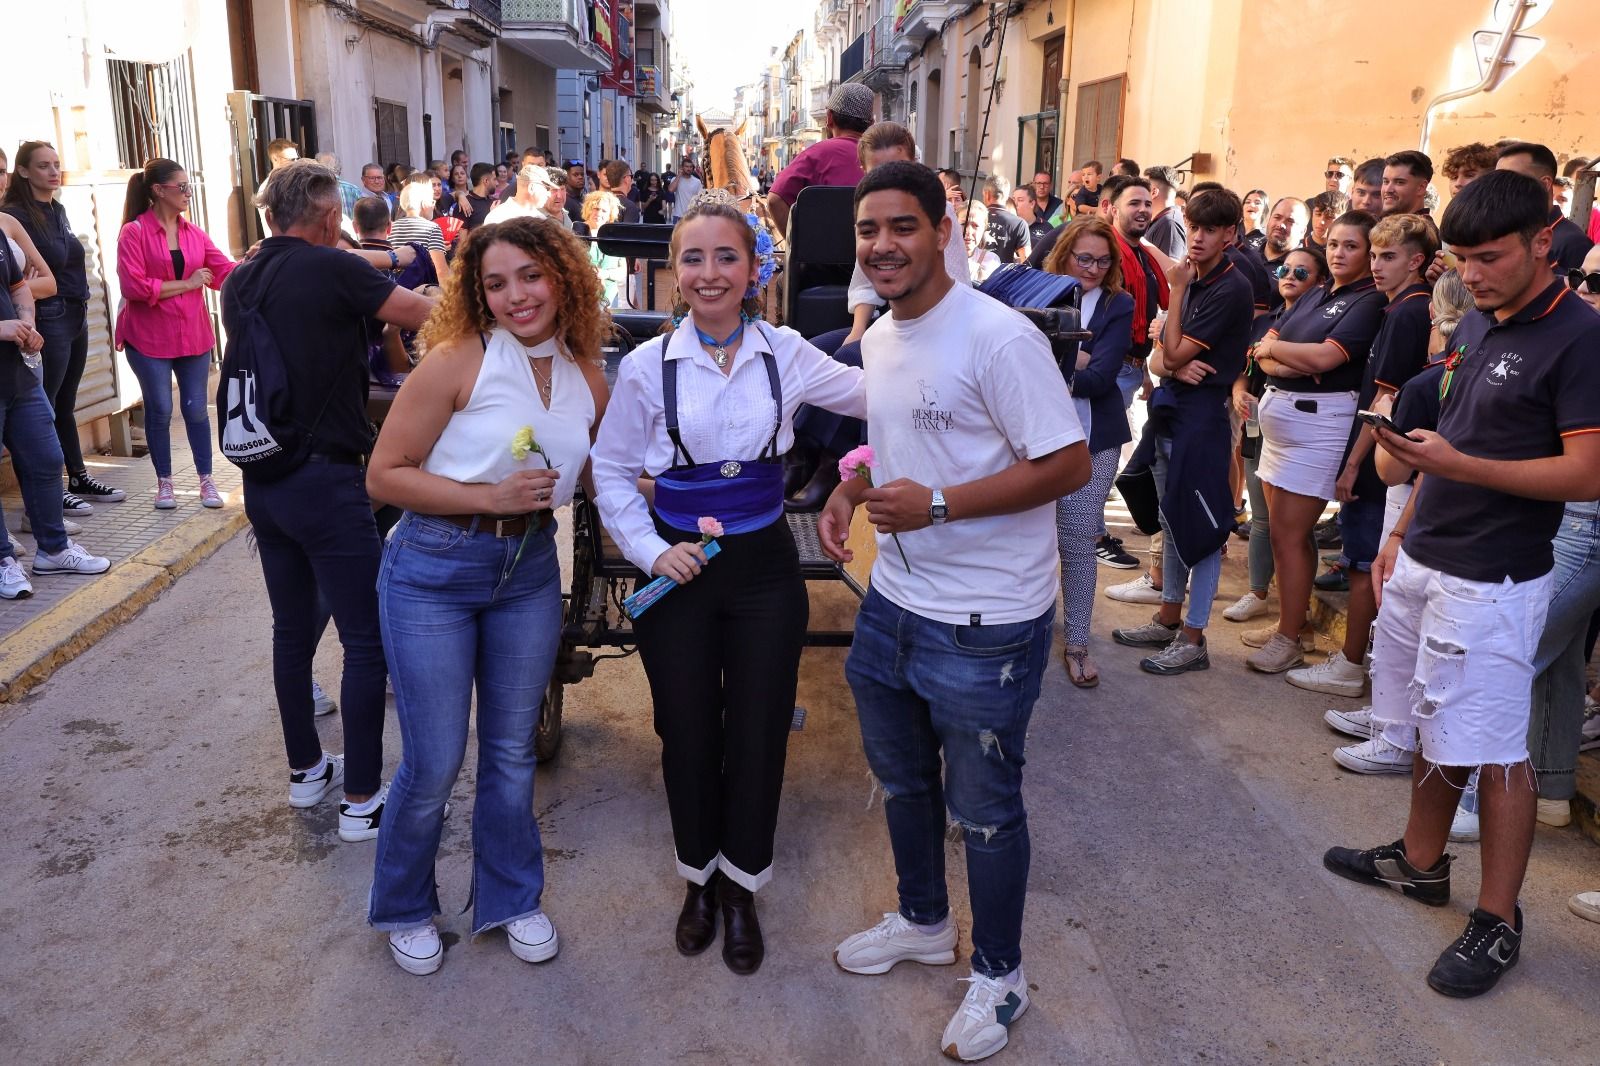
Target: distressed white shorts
pixel 1452 664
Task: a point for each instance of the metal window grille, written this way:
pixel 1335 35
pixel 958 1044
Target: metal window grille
pixel 394 132
pixel 152 106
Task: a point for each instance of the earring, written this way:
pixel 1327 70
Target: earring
pixel 752 292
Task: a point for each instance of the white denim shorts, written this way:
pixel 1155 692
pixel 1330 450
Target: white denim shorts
pixel 1453 660
pixel 1301 451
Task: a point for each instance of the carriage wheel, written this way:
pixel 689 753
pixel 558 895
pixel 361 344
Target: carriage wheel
pixel 547 738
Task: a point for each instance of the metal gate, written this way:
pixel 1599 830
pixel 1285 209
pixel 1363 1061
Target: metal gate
pixel 258 121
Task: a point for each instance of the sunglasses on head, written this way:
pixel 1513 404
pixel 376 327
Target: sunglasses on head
pixel 1589 283
pixel 1299 273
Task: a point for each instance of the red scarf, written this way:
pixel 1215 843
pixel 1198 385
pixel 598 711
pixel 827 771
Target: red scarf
pixel 1133 263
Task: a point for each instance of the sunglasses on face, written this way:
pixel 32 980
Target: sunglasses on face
pixel 183 187
pixel 1298 273
pixel 1086 261
pixel 1334 174
pixel 1589 283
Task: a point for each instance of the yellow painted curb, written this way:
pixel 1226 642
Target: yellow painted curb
pixel 78 622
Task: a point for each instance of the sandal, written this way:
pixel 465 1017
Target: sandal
pixel 1079 671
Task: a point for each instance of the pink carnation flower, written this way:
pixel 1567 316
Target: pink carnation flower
pixel 858 462
pixel 710 527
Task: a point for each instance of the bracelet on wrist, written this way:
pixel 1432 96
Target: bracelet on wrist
pixel 1397 533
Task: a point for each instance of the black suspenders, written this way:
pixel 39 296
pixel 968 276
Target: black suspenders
pixel 669 398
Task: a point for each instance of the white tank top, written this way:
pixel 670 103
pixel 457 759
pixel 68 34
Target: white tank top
pixel 475 446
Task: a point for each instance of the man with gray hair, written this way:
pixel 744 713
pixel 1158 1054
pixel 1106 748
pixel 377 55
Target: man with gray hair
pixel 557 205
pixel 349 191
pixel 308 305
pixel 833 161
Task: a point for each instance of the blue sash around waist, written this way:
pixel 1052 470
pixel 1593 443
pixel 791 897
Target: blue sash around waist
pixel 743 496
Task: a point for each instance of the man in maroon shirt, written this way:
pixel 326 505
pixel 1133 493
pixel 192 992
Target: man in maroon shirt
pixel 828 162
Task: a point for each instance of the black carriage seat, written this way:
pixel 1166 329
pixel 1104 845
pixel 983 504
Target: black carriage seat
pixel 822 253
pixel 1049 301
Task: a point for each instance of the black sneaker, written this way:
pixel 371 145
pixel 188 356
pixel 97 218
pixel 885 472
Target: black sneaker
pixel 87 485
pixel 1335 580
pixel 1108 550
pixel 72 504
pixel 1327 534
pixel 1475 962
pixel 1387 866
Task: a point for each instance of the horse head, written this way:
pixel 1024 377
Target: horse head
pixel 725 163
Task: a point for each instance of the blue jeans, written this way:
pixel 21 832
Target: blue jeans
pixel 1203 579
pixel 1559 688
pixel 27 426
pixel 64 325
pixel 316 539
pixel 921 688
pixel 155 383
pixel 1262 565
pixel 459 611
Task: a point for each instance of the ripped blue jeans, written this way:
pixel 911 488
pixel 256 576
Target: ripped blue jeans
pixel 925 689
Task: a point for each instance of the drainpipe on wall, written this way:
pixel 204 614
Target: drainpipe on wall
pixel 1064 89
pixel 1491 72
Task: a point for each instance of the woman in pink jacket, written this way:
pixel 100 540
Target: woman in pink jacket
pixel 163 327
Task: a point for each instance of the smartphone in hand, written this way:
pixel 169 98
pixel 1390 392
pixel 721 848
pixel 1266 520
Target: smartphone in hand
pixel 1376 420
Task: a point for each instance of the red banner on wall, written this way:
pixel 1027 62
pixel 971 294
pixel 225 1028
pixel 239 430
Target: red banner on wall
pixel 621 75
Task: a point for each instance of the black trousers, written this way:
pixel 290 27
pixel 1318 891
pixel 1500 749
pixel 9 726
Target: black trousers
pixel 722 654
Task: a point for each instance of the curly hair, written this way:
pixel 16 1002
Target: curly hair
pixel 463 309
pixel 713 203
pixel 1077 229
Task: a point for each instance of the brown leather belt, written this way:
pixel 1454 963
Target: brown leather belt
pixel 500 525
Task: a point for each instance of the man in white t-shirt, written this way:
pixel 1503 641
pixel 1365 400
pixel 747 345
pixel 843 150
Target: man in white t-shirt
pixel 976 438
pixel 684 188
pixel 533 195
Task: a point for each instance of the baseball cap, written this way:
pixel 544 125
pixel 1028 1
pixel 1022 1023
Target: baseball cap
pixel 852 100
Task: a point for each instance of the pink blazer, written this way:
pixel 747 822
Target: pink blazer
pixel 178 325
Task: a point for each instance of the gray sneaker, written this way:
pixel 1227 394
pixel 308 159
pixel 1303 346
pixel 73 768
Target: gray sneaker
pixel 1153 634
pixel 1277 655
pixel 1178 657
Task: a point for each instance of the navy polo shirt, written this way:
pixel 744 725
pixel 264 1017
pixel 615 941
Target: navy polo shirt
pixel 1255 269
pixel 1218 310
pixel 1399 352
pixel 1274 297
pixel 1348 316
pixel 1417 406
pixel 1517 389
pixel 1568 243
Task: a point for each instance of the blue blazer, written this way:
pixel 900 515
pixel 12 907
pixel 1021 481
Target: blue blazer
pixel 1112 326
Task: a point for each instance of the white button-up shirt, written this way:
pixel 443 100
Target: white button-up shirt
pixel 720 416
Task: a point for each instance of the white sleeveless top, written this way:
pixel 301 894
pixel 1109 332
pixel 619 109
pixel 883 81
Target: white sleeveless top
pixel 475 446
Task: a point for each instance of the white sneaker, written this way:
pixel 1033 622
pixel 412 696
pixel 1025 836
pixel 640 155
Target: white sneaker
pixel 1376 756
pixel 980 1025
pixel 71 528
pixel 1464 826
pixel 1591 732
pixel 532 939
pixel 1249 606
pixel 321 702
pixel 16 544
pixel 1139 590
pixel 896 940
pixel 307 787
pixel 14 583
pixel 71 560
pixel 417 950
pixel 355 827
pixel 1356 724
pixel 1334 676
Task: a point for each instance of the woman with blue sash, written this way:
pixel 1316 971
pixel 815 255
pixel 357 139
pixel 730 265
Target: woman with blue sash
pixel 707 411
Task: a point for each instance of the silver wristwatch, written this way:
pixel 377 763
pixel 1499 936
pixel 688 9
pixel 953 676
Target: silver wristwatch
pixel 938 512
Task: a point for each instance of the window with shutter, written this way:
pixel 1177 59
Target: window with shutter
pixel 1097 128
pixel 394 133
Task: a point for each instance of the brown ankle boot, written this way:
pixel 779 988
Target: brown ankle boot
pixel 697 922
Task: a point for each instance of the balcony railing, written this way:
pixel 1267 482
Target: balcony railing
pixel 555 32
pixel 879 51
pixel 483 20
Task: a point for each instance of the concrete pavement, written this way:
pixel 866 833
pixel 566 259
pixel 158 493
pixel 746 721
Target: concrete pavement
pixel 164 903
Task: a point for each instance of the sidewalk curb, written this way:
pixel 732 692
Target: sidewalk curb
pixel 80 620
